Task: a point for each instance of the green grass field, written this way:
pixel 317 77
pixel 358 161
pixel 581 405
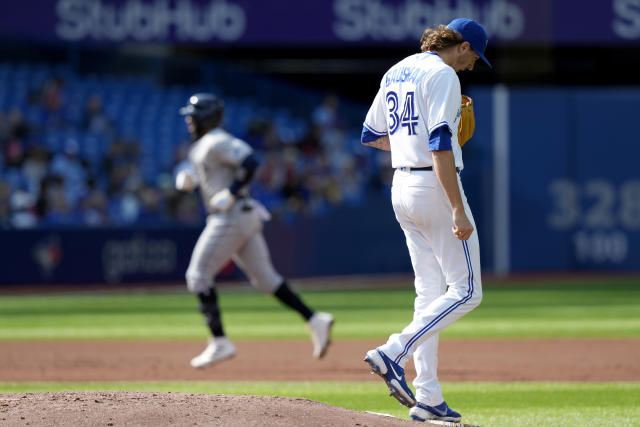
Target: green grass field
pixel 595 309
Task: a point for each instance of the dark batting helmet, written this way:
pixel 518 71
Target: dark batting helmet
pixel 206 110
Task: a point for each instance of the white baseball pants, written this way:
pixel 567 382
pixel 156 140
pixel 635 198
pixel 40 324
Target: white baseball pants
pixel 439 261
pixel 235 235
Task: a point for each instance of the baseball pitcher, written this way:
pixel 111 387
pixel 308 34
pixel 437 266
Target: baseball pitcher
pixel 222 166
pixel 416 115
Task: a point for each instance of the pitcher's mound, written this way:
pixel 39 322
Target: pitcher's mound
pixel 118 408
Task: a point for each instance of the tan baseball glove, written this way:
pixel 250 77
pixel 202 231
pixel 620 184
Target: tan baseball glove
pixel 467 121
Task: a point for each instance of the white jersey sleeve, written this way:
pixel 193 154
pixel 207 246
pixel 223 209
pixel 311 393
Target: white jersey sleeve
pixel 376 120
pixel 443 101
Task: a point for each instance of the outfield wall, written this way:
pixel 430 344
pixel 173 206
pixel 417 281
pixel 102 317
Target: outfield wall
pixel 351 241
pixel 551 175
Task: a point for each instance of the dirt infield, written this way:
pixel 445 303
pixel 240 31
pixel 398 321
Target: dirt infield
pixel 469 360
pixel 177 409
pixel 460 360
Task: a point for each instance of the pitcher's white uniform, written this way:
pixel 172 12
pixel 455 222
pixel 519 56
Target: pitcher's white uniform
pixel 235 234
pixel 418 95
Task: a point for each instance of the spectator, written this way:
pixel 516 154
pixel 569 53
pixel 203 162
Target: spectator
pixel 58 209
pixel 5 205
pixel 95 120
pixel 42 201
pixel 3 129
pixel 262 135
pixel 13 136
pixel 187 210
pixel 70 168
pixel 94 208
pixel 52 95
pixel 35 167
pixel 22 207
pixel 12 159
pixel 326 115
pixel 308 163
pixel 123 208
pixel 151 206
pixel 52 100
pixel 310 145
pixel 17 127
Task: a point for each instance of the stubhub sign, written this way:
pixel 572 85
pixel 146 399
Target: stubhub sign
pixel 226 20
pixel 148 21
pixel 399 21
pixel 316 22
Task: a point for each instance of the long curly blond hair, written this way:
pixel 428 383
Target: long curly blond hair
pixel 439 38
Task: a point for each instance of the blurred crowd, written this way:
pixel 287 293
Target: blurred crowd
pixel 302 173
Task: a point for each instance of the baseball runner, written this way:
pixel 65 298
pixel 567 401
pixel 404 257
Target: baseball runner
pixel 416 115
pixel 222 166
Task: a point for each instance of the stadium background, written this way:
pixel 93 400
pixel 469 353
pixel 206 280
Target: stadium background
pixel 91 138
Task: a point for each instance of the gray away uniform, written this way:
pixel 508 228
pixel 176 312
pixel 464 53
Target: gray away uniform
pixel 235 234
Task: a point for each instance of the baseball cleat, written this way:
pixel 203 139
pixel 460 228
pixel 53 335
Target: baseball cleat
pixel 320 325
pixel 217 350
pixel 393 376
pixel 442 412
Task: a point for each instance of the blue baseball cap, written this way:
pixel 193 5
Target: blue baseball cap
pixel 473 33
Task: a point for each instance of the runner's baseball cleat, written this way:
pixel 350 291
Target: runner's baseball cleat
pixel 392 374
pixel 320 325
pixel 219 349
pixel 442 412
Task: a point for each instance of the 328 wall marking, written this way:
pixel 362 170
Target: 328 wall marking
pixel 602 212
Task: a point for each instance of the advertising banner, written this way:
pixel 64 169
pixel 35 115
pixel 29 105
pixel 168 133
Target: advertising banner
pixel 342 243
pixel 332 22
pixel 68 256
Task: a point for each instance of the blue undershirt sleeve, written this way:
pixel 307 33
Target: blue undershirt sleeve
pixel 248 168
pixel 440 139
pixel 369 135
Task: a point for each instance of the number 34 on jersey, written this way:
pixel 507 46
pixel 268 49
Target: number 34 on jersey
pixel 408 118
